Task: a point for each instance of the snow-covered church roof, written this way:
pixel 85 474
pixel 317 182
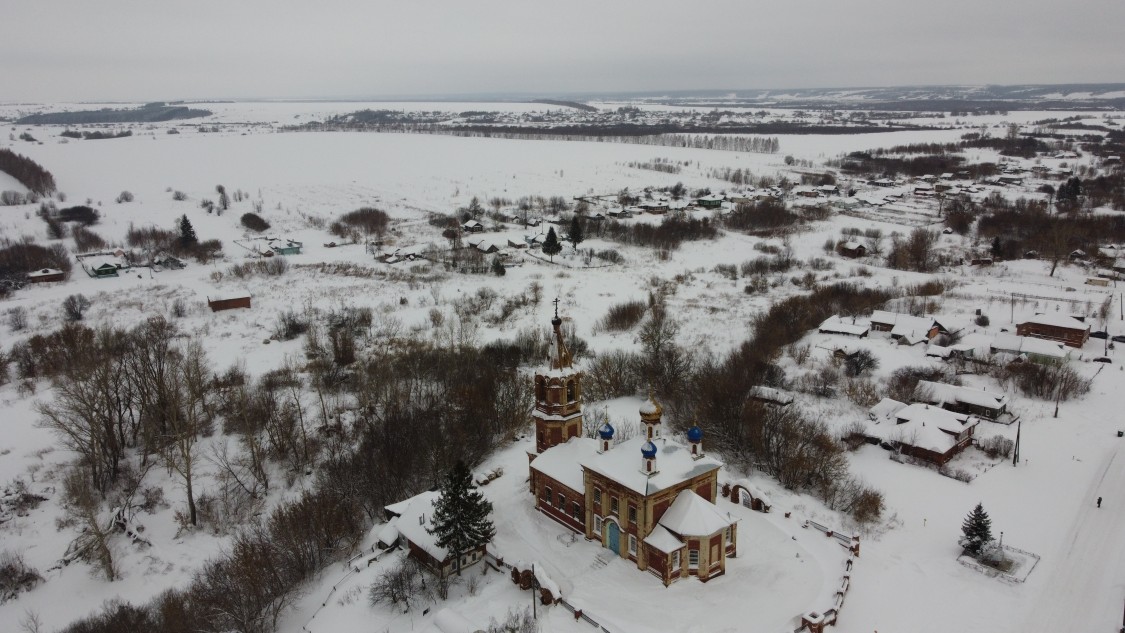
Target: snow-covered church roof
pixel 622 464
pixel 692 515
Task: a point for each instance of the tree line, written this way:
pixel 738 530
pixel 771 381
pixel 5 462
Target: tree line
pixel 29 173
pixel 371 431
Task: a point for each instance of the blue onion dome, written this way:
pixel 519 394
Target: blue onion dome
pixel 695 434
pixel 648 450
pixel 606 431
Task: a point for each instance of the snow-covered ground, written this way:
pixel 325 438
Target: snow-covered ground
pixel 907 577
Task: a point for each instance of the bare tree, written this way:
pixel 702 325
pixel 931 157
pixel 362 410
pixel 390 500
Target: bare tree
pixel 403 583
pixel 188 415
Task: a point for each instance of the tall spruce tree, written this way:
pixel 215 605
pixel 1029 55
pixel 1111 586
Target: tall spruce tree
pixel 576 231
pixel 551 246
pixel 976 531
pixel 461 521
pixel 187 232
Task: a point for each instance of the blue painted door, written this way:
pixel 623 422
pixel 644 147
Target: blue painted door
pixel 614 540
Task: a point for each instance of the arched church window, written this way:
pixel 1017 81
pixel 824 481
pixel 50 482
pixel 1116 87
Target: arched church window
pixel 540 390
pixel 571 393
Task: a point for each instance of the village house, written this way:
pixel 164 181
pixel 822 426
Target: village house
pixel 409 524
pixel 472 226
pixel 649 500
pixel 710 201
pixel 920 430
pixel 1035 350
pixel 965 400
pixel 281 246
pixel 770 396
pixel 1055 327
pixel 835 325
pixel 906 328
pixel 47 275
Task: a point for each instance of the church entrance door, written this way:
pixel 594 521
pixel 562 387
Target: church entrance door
pixel 613 537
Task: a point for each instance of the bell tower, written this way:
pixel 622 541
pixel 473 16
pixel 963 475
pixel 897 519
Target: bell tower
pixel 558 394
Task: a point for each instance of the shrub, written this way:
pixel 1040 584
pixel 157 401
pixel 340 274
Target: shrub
pixel 982 320
pixel 997 446
pixel 86 240
pixel 254 222
pixel 368 220
pixel 74 307
pixel 624 316
pixel 124 196
pixel 290 325
pixel 179 196
pixel 83 215
pixel 15 576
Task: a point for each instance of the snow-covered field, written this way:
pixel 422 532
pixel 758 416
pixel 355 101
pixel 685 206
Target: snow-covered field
pixel 907 577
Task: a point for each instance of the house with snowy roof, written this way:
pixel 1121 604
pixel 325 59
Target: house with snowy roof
pixel 836 325
pixel 409 524
pixel 1055 327
pixel 968 400
pixel 282 246
pixel 649 499
pixel 1032 349
pixel 920 430
pixel 905 326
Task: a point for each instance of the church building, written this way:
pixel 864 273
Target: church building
pixel 649 499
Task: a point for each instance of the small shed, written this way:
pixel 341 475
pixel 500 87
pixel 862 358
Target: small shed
pixel 852 249
pixel 229 302
pixel 46 275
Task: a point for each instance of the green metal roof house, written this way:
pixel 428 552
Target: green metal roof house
pixel 285 247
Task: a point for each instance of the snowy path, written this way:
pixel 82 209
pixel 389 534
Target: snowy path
pixel 1086 588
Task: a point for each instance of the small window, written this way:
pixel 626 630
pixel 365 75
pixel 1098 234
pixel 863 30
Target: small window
pixel 548 496
pixel 598 525
pixel 729 534
pixel 562 501
pixel 597 495
pixel 632 545
pixel 575 510
pixel 693 559
pixel 675 560
pixel 614 508
pixel 632 513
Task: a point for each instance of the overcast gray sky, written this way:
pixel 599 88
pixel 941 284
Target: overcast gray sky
pixel 53 50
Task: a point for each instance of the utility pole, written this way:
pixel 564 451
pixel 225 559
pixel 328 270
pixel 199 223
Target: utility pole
pixel 1016 451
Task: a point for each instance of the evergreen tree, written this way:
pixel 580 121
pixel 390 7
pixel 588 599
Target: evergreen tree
pixel 498 267
pixel 976 531
pixel 576 231
pixel 461 521
pixel 551 246
pixel 187 232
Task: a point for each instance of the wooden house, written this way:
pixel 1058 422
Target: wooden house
pixel 47 275
pixel 967 400
pixel 1055 327
pixel 835 325
pixel 284 247
pixel 1035 350
pixel 921 431
pixel 472 226
pixel 409 524
pixel 710 201
pixel 852 249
